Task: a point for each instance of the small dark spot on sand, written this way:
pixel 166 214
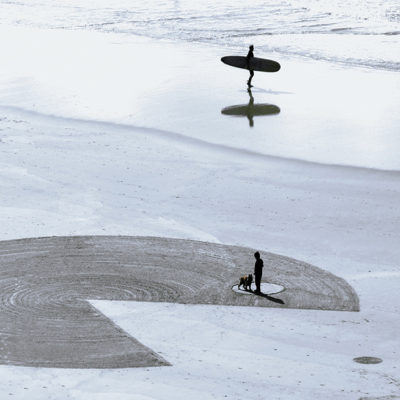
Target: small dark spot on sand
pixel 367 360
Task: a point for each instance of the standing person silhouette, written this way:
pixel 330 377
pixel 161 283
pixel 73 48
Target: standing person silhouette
pixel 250 54
pixel 258 267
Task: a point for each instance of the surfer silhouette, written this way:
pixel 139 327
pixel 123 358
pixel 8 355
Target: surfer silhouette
pixel 250 54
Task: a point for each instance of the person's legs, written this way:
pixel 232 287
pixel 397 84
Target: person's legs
pixel 251 77
pixel 258 283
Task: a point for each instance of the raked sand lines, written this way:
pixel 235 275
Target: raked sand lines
pixel 47 321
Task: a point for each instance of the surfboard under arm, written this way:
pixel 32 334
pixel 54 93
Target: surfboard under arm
pixel 254 63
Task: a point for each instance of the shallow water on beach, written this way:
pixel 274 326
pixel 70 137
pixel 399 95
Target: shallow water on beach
pixel 357 32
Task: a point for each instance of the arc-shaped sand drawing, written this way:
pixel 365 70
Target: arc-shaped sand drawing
pixel 45 284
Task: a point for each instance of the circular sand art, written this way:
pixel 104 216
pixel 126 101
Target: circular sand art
pixel 46 319
pixel 266 288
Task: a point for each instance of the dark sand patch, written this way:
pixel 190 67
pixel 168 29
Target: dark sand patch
pixel 367 360
pixel 46 320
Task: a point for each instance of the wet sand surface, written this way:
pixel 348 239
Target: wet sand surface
pixel 316 111
pixel 46 319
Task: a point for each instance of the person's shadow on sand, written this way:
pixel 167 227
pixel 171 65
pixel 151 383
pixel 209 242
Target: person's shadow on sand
pixel 261 294
pixel 270 298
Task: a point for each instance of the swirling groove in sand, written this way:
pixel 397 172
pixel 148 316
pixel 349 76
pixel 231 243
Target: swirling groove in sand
pixel 47 321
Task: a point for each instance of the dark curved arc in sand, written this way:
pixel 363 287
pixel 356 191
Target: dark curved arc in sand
pixel 46 320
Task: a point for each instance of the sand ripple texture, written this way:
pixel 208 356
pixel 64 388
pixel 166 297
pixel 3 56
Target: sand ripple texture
pixel 47 321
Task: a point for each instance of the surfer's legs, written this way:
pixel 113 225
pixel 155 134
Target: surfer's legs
pixel 251 77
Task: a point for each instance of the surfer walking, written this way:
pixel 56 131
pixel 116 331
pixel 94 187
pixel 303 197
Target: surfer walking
pixel 250 54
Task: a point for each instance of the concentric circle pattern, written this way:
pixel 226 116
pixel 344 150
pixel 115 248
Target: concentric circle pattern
pixel 45 284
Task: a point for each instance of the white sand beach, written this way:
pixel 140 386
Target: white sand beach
pixel 93 141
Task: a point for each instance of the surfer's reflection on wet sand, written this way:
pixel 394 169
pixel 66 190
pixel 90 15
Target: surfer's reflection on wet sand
pixel 251 110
